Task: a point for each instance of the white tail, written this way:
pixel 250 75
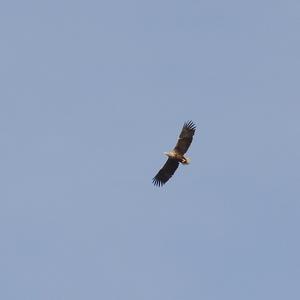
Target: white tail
pixel 187 161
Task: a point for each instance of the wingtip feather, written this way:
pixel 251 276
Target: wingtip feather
pixel 190 125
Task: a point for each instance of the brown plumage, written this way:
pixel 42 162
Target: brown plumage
pixel 176 156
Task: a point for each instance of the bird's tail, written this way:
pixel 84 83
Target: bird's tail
pixel 186 160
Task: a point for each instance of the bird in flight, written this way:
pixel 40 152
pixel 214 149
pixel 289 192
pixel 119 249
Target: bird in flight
pixel 176 155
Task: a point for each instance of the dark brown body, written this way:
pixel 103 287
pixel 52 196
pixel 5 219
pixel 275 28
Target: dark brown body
pixel 176 156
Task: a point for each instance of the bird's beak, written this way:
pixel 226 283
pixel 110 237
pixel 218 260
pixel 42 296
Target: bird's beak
pixel 166 153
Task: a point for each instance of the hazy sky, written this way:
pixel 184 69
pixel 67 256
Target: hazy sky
pixel 92 94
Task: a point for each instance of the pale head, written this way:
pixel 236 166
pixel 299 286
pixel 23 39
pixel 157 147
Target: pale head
pixel 170 154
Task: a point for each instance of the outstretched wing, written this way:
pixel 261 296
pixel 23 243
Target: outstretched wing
pixel 185 137
pixel 166 172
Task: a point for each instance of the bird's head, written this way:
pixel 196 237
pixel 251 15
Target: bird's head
pixel 167 154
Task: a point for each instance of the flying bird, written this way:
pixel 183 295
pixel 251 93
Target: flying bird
pixel 176 155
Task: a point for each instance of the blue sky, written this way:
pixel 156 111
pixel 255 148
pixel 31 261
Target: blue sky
pixel 92 93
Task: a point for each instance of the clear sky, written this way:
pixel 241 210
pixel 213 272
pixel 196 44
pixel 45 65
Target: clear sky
pixel 92 94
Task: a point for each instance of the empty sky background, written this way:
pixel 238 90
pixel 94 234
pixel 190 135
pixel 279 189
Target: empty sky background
pixel 92 93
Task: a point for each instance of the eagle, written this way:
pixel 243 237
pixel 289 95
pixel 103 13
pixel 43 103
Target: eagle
pixel 176 155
